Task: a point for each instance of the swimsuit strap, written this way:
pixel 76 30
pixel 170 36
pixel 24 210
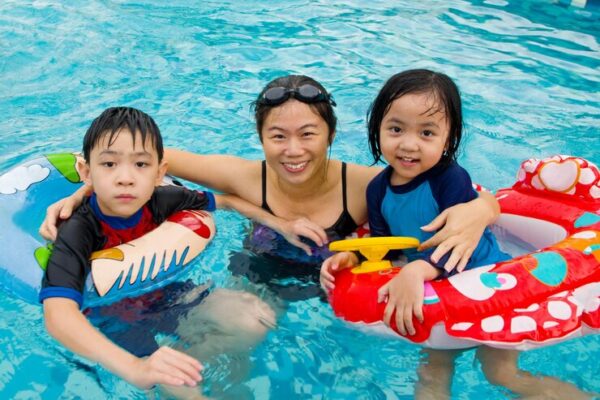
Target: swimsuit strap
pixel 344 204
pixel 264 205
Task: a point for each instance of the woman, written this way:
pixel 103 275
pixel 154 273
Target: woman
pixel 314 197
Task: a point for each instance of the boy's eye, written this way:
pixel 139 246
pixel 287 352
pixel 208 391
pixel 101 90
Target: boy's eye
pixel 141 164
pixel 108 164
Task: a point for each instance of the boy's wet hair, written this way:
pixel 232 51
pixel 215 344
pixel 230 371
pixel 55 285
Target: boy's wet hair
pixel 446 97
pixel 113 119
pixel 323 108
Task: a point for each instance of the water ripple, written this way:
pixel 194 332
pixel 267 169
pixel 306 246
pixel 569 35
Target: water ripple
pixel 528 72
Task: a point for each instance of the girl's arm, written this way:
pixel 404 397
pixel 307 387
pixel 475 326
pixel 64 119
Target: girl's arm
pixel 333 264
pixel 404 294
pixel 69 326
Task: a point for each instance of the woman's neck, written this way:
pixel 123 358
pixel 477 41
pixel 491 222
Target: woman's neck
pixel 317 185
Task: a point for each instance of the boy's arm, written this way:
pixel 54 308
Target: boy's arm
pixel 69 326
pixel 290 230
pixel 61 295
pixel 167 200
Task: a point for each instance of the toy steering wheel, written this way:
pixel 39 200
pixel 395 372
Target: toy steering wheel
pixel 374 249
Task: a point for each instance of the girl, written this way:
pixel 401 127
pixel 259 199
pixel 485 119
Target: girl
pixel 415 124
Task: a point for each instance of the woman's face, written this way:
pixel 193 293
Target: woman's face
pixel 295 142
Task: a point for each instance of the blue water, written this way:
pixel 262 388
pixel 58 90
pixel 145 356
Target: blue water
pixel 528 72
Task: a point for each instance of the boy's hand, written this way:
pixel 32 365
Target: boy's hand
pixel 62 209
pixel 333 264
pixel 293 230
pixel 404 294
pixel 166 366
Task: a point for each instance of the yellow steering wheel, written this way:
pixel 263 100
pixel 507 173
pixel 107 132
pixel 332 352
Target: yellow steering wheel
pixel 374 249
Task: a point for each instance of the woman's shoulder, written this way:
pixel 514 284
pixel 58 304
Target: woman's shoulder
pixel 361 174
pixel 357 179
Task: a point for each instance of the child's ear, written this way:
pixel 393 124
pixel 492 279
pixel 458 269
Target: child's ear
pixel 84 171
pixel 162 170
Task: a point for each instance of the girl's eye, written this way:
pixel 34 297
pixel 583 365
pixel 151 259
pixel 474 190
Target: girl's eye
pixel 427 133
pixel 396 129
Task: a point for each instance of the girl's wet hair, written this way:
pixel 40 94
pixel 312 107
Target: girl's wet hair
pixel 446 98
pixel 113 119
pixel 323 108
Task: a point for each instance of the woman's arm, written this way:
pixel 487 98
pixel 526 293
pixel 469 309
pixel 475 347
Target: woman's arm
pixel 69 326
pixel 223 173
pixel 461 226
pixel 290 230
pixel 62 210
pixel 358 178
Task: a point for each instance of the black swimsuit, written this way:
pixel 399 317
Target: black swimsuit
pixel 341 228
pixel 286 269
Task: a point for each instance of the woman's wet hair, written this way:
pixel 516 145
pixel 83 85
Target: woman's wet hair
pixel 446 98
pixel 113 119
pixel 323 108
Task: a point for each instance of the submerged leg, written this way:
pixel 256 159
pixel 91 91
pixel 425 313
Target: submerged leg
pixel 435 374
pixel 222 331
pixel 501 369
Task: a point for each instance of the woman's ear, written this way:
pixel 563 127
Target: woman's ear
pixel 331 137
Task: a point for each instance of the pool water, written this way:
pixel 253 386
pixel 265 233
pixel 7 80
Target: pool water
pixel 529 76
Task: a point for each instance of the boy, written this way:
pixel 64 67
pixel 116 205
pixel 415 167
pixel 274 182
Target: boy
pixel 123 163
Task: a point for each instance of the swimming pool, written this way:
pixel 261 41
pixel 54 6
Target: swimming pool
pixel 528 71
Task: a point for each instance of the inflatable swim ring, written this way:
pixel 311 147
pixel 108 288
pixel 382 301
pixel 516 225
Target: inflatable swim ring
pixel 532 300
pixel 130 269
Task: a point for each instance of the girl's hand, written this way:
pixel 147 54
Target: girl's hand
pixel 333 264
pixel 62 210
pixel 166 366
pixel 462 227
pixel 404 294
pixel 293 230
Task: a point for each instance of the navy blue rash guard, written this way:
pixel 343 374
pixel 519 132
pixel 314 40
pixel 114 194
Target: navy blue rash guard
pixel 401 210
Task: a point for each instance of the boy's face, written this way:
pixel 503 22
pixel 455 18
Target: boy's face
pixel 123 175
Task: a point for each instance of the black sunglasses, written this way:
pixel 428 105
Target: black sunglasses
pixel 306 93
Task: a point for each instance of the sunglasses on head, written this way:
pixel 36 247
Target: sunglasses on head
pixel 306 93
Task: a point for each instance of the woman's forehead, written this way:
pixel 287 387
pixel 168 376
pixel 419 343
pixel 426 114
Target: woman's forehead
pixel 294 112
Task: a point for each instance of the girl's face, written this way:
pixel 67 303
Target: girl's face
pixel 413 135
pixel 295 142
